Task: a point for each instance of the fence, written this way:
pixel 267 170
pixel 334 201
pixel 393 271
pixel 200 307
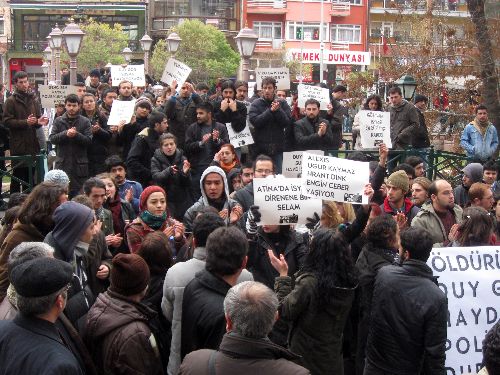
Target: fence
pixel 36 166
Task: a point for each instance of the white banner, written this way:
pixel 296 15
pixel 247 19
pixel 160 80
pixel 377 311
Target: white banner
pixel 313 92
pixel 281 75
pixel 281 203
pixel 132 73
pixel 375 128
pixel 470 279
pixel 329 56
pixel 51 95
pixel 121 110
pixel 175 70
pixel 292 162
pixel 334 179
pixel 239 139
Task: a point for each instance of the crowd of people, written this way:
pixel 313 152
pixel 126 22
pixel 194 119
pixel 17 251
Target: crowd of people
pixel 142 252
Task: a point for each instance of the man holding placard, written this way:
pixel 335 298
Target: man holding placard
pixel 313 132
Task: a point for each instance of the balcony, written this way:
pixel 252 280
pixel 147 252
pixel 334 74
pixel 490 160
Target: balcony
pixel 339 46
pixel 269 45
pixel 446 7
pixel 266 6
pixel 340 9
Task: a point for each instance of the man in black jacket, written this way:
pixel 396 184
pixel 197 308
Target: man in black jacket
pixel 313 132
pixel 421 140
pixel 229 110
pixel 409 314
pixel 337 113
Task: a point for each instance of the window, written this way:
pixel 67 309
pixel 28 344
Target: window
pixel 352 2
pixel 2 26
pixel 268 30
pixel 310 32
pixel 377 29
pixel 346 33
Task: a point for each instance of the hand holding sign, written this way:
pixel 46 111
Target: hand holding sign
pixel 121 111
pixel 175 71
pixel 375 128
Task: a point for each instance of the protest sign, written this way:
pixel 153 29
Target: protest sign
pixel 375 128
pixel 175 71
pixel 334 179
pixel 239 139
pixel 121 110
pixel 313 92
pixel 469 277
pixel 132 73
pixel 51 95
pixel 281 75
pixel 292 162
pixel 281 203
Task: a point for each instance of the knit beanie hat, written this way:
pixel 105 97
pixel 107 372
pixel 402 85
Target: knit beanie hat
pixel 145 195
pixel 144 101
pixel 400 180
pixel 474 171
pixel 129 274
pixel 423 181
pixel 57 176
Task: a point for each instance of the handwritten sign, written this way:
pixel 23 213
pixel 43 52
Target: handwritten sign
pixel 239 139
pixel 292 162
pixel 469 277
pixel 334 179
pixel 375 128
pixel 51 95
pixel 121 110
pixel 132 73
pixel 175 71
pixel 281 75
pixel 313 92
pixel 281 203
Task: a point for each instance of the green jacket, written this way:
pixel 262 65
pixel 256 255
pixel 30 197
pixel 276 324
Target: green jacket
pixel 428 219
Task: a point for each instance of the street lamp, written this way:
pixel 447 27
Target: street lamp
pixel 127 54
pixel 47 56
pixel 408 86
pixel 246 41
pixel 45 69
pixel 55 42
pixel 73 36
pixel 174 41
pixel 146 43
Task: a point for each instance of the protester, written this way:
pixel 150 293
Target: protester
pixel 107 98
pixel 479 138
pixel 250 310
pixel 226 158
pixel 490 175
pixel 480 195
pixel 416 344
pixel 405 122
pixel 337 113
pixel 418 164
pixel 95 190
pixel 420 191
pixel 476 229
pixel 372 103
pixel 396 203
pixel 229 110
pixel 313 132
pixel 140 121
pixel 491 350
pixel 473 172
pixel 125 91
pixel 57 176
pixel 128 190
pixel 421 138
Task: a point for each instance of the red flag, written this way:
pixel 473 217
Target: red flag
pixel 385 47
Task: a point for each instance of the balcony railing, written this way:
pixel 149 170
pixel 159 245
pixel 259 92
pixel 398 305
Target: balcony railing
pixel 276 4
pixel 266 45
pixel 441 5
pixel 341 9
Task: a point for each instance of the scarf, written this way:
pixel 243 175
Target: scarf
pixel 481 126
pixel 115 206
pixel 99 213
pixel 153 221
pixel 228 167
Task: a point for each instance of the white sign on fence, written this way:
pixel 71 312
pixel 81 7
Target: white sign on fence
pixel 375 128
pixel 51 95
pixel 281 203
pixel 121 110
pixel 292 162
pixel 334 179
pixel 132 73
pixel 239 139
pixel 281 75
pixel 313 92
pixel 469 277
pixel 175 71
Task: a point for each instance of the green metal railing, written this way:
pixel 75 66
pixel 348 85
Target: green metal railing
pixel 34 163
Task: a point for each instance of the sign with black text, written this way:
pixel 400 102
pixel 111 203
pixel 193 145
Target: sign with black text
pixel 281 75
pixel 121 110
pixel 239 139
pixel 132 73
pixel 292 162
pixel 313 92
pixel 175 71
pixel 375 128
pixel 51 95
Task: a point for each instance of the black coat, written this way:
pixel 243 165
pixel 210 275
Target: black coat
pixel 238 119
pixel 337 120
pixel 175 184
pixel 98 150
pixel 203 318
pixel 128 133
pixel 29 345
pixel 201 156
pixel 139 157
pixel 245 197
pixel 307 137
pixel 421 139
pixel 181 114
pixel 399 345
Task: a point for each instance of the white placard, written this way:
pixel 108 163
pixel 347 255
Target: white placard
pixel 375 128
pixel 292 162
pixel 51 95
pixel 334 179
pixel 281 75
pixel 121 110
pixel 132 73
pixel 313 92
pixel 239 139
pixel 175 70
pixel 281 203
pixel 470 279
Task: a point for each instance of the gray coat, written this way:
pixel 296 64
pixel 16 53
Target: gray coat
pixel 405 124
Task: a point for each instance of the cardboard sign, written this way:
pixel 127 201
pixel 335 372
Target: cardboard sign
pixel 132 73
pixel 469 277
pixel 313 92
pixel 281 75
pixel 175 71
pixel 334 179
pixel 51 95
pixel 292 162
pixel 121 110
pixel 239 139
pixel 375 128
pixel 281 203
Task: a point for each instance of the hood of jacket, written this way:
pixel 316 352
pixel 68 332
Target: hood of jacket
pixel 220 172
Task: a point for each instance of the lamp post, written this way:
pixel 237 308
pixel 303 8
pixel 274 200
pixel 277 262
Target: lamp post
pixel 55 43
pixel 408 86
pixel 173 41
pixel 73 36
pixel 47 56
pixel 246 41
pixel 45 69
pixel 127 54
pixel 146 43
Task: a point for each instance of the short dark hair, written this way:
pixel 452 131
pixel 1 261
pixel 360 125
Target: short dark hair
pixel 114 161
pixel 407 168
pixel 262 157
pixel 155 249
pixel 93 182
pixel 268 81
pixel 490 165
pixel 226 250
pixel 340 88
pixel 480 107
pixel 106 92
pixel 395 90
pixel 381 232
pixel 247 164
pixel 72 98
pixel 20 75
pixel 240 83
pixel 80 84
pixel 418 242
pixel 88 94
pixel 202 86
pixel 206 106
pixel 413 161
pixel 312 101
pixel 125 81
pixel 491 350
pixel 228 85
pixel 203 225
pixel 156 117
